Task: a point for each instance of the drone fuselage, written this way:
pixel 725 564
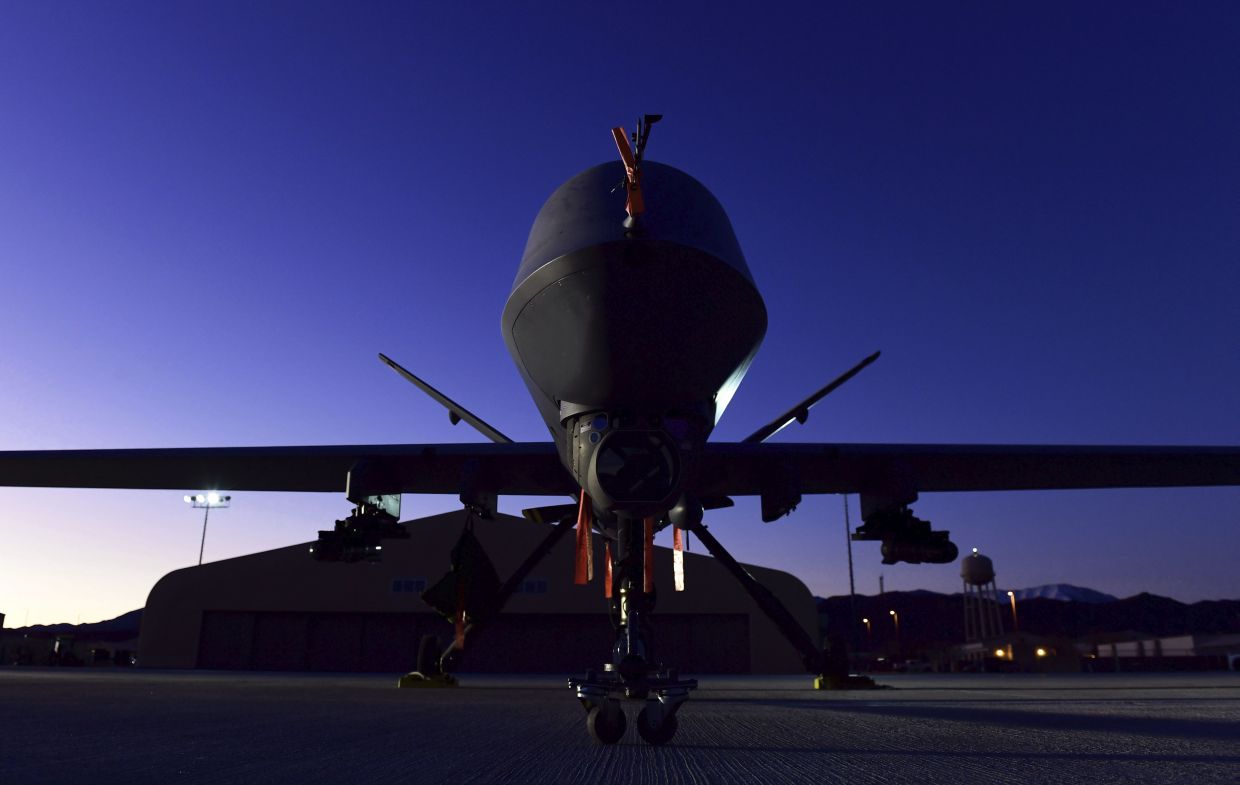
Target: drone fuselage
pixel 632 336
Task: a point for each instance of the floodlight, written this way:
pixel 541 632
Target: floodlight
pixel 206 501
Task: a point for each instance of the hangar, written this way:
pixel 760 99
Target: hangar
pixel 281 610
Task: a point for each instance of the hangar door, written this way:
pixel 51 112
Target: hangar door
pixel 513 643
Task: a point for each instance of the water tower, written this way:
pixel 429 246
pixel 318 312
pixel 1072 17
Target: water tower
pixel 982 617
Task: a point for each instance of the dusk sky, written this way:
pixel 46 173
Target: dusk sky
pixel 213 216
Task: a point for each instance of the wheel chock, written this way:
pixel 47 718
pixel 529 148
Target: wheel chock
pixel 419 681
pixel 844 683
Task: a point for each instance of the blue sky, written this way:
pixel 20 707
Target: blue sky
pixel 214 215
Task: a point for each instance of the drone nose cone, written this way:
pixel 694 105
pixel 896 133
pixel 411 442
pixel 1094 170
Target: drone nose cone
pixel 588 210
pixel 655 318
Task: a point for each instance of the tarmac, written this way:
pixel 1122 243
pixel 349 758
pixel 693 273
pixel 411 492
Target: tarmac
pixel 138 726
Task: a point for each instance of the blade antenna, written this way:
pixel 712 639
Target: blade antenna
pixel 800 412
pixel 643 134
pixel 456 412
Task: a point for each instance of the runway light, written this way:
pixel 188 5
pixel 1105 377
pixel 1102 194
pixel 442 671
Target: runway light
pixel 999 653
pixel 1041 652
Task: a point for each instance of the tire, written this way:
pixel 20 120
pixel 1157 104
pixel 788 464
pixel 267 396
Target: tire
pixel 659 736
pixel 606 723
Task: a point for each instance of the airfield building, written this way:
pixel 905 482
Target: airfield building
pixel 281 610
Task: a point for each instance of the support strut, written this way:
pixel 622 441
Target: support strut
pixel 631 654
pixel 828 670
pixel 811 657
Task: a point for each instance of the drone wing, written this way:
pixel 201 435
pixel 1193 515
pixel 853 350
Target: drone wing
pixel 903 469
pixel 515 468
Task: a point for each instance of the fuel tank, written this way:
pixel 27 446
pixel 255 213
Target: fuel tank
pixel 660 317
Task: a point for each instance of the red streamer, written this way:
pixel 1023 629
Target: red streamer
pixel 584 572
pixel 607 570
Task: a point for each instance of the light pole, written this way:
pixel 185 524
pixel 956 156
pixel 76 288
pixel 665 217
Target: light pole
pixel 895 617
pixel 868 638
pixel 206 501
pixel 1015 621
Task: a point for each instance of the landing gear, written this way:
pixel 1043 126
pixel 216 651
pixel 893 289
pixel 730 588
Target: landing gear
pixel 655 731
pixel 606 722
pixel 632 673
pixel 663 693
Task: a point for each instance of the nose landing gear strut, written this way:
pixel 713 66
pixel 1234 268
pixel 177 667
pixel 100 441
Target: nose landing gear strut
pixel 631 674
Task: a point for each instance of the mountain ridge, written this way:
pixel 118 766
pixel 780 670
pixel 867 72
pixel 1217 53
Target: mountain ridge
pixel 1064 592
pixel 932 620
pixel 122 627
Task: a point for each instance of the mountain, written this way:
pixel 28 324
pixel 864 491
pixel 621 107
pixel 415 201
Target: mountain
pixel 122 628
pixel 929 621
pixel 1065 592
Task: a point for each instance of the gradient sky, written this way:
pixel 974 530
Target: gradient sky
pixel 214 215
